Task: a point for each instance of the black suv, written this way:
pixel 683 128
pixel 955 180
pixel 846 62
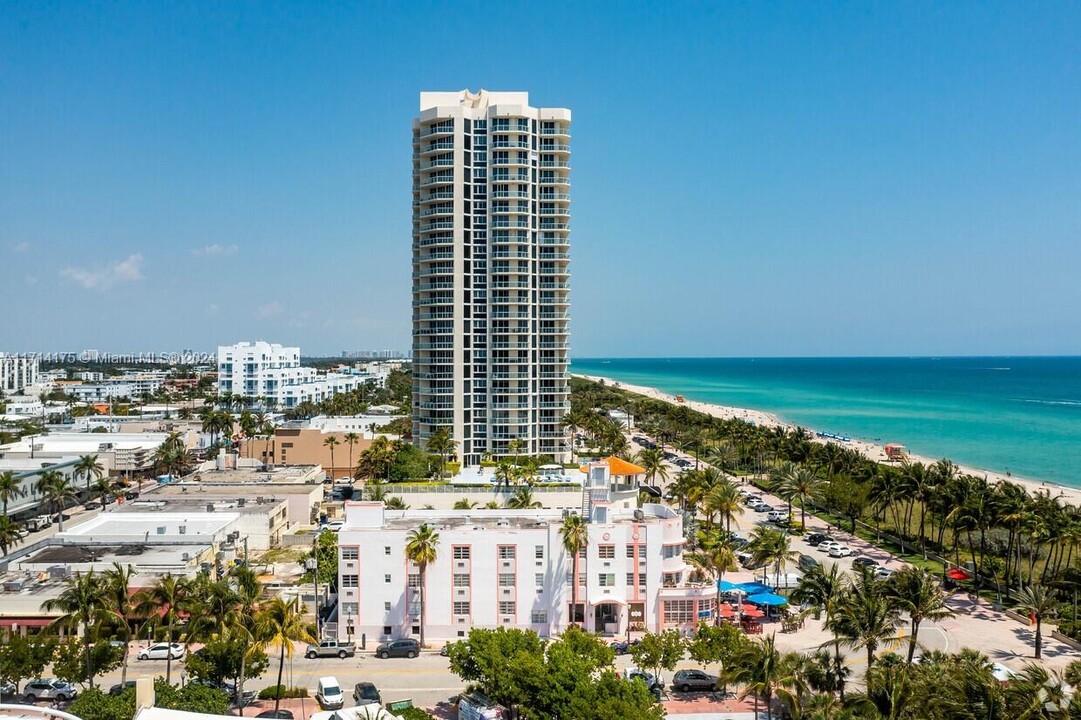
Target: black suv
pixel 408 648
pixel 817 538
pixel 365 693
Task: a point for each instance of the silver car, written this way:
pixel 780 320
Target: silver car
pixel 42 689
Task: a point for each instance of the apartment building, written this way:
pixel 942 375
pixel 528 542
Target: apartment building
pixel 272 371
pixel 17 372
pixel 491 269
pixel 510 569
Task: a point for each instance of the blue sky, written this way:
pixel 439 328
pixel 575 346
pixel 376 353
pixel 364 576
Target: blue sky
pixel 749 178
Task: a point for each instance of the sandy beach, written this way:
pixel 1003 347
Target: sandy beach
pixel 869 450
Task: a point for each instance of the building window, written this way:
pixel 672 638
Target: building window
pixel 507 607
pixel 350 581
pixel 414 580
pixel 539 617
pixel 386 578
pixel 671 551
pixel 386 606
pixel 538 552
pixel 630 578
pixel 607 579
pixel 350 608
pixel 506 552
pixel 506 579
pixel 386 549
pixel 540 579
pixel 461 580
pixel 461 608
pixel 678 611
pixel 349 553
pixel 630 551
pixel 606 552
pixel 461 552
pixel 671 579
pixel 386 629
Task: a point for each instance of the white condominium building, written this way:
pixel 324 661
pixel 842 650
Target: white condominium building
pixel 491 224
pixel 17 372
pixel 508 568
pixel 271 371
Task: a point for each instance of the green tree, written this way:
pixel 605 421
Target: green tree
pixel 70 660
pixel 118 609
pixel 765 673
pixel 421 549
pixel 917 594
pixel 56 492
pixel 332 442
pixel 1038 603
pixel 713 560
pixel 23 658
pixel 10 489
pixel 193 698
pixel 522 499
pixel 464 504
pixel 574 534
pixel 164 603
pixel 866 617
pixel 351 439
pixel 227 658
pixel 652 459
pixel 507 664
pixel 281 623
pixel 81 603
pixel 442 444
pixel 93 704
pixel 717 644
pixel 87 467
pixel 327 545
pixel 659 651
pixel 9 534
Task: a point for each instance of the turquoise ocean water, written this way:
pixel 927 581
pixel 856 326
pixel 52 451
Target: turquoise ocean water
pixel 1016 414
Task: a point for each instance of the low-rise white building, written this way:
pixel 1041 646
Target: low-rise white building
pixel 27 472
pixel 18 371
pixel 117 452
pixel 19 407
pixel 509 568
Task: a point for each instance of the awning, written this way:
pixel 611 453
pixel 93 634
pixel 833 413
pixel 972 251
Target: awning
pixel 612 600
pixel 35 622
pixel 767 599
pixel 750 611
pixel 726 610
pixel 753 588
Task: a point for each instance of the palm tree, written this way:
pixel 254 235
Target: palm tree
pixel 723 499
pixel 281 623
pixel 1038 602
pixel 652 459
pixel 714 560
pixel 103 486
pixel 164 602
pixel 866 618
pixel 351 439
pixel 442 444
pixel 515 446
pixel 10 489
pixel 464 504
pixel 119 608
pixel 522 499
pixel 247 593
pixel 332 442
pixel 421 548
pixel 917 593
pixel 765 672
pixel 575 536
pixel 82 603
pixel 771 547
pixel 823 587
pixel 87 466
pixel 57 491
pixel 802 486
pixel 9 534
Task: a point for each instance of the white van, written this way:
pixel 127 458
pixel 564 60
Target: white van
pixel 329 693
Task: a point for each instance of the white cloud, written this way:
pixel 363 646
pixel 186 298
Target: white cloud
pixel 269 310
pixel 215 249
pixel 127 270
pixel 21 247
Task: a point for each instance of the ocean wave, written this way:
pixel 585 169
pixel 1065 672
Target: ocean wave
pixel 1065 403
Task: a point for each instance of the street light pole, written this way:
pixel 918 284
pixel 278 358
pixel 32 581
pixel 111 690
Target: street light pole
pixel 313 566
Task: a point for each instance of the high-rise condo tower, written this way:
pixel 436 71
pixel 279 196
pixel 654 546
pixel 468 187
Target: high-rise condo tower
pixel 491 225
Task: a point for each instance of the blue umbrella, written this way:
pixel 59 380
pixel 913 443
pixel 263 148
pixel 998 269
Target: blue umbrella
pixel 726 586
pixel 767 598
pixel 752 588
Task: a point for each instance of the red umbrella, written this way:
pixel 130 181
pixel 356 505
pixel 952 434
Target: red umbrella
pixel 751 611
pixel 726 610
pixel 957 574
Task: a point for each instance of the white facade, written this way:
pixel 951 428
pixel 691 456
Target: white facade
pixel 491 264
pixel 24 405
pixel 510 569
pixel 17 372
pixel 274 372
pixel 27 472
pixel 116 451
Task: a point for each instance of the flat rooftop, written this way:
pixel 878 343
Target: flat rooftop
pixel 84 443
pixel 284 475
pixel 194 501
pixel 145 525
pixel 124 553
pixel 20 465
pixel 478 520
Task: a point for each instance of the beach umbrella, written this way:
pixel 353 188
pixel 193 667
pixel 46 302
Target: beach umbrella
pixel 726 611
pixel 753 588
pixel 767 599
pixel 957 574
pixel 727 586
pixel 750 611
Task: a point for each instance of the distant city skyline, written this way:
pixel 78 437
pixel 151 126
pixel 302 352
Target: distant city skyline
pixel 763 180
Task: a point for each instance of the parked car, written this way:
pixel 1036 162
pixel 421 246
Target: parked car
pixel 230 690
pixel 762 508
pixel 8 690
pixel 807 563
pixel 331 648
pixel 277 714
pixel 652 681
pixel 828 545
pixel 863 562
pixel 817 538
pixel 21 532
pixel 883 573
pixel 365 693
pixel 92 505
pixel 687 680
pixel 622 647
pixel 329 693
pixel 840 551
pixel 42 689
pixel 334 525
pixel 131 495
pixel 119 688
pixel 161 651
pixel 407 647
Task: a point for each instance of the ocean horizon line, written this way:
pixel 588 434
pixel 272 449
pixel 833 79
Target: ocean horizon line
pixel 585 358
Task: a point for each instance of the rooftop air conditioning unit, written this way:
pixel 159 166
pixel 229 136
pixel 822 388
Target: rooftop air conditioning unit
pixel 161 530
pixel 13 585
pixel 185 557
pixel 210 507
pixel 639 516
pixel 241 502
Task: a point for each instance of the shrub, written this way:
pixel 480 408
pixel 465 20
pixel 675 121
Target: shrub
pixel 270 693
pixel 413 714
